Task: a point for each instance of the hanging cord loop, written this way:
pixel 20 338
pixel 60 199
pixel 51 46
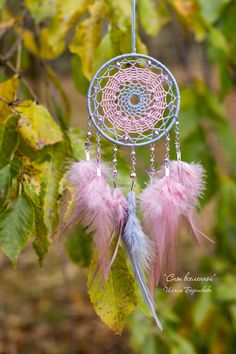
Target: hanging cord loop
pixel 133 34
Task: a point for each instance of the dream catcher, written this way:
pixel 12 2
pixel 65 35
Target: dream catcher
pixel 133 101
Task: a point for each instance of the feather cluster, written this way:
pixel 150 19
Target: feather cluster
pixel 107 214
pixel 100 210
pixel 166 201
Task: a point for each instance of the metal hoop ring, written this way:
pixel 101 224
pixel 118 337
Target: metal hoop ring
pixel 101 97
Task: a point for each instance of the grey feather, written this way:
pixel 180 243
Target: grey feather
pixel 139 249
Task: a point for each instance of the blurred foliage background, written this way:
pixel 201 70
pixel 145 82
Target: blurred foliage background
pixel 49 52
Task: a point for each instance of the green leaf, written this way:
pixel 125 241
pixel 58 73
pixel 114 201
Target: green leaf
pixel 7 94
pixel 40 9
pixel 153 18
pixel 120 13
pixel 114 300
pixel 52 172
pixel 64 99
pixel 180 344
pixel 202 308
pixel 211 10
pixel 2 4
pixel 41 241
pixel 81 83
pixel 16 227
pixel 9 140
pixel 76 143
pixel 104 52
pixel 36 126
pixel 232 310
pixel 226 289
pixel 78 246
pixel 218 39
pixel 225 227
pixel 5 177
pixel 88 35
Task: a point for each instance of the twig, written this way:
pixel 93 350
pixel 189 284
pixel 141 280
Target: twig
pixel 8 65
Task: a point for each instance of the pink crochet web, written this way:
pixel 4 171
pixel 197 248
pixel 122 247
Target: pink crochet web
pixel 132 100
pixel 147 92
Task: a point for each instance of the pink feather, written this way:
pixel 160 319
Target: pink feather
pixel 120 209
pixel 100 210
pixel 79 176
pixel 164 202
pixel 192 178
pixel 159 203
pixel 97 211
pixel 81 173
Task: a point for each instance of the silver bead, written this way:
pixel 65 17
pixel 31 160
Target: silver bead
pixel 114 160
pixel 114 172
pixel 133 175
pixel 87 144
pixel 152 171
pixel 152 148
pixel 89 133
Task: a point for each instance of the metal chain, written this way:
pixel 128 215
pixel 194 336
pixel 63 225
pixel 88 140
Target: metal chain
pixel 98 152
pixel 114 170
pixel 152 168
pixel 167 155
pixel 177 141
pixel 87 144
pixel 133 167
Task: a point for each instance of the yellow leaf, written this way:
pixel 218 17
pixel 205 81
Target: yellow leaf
pixel 7 95
pixel 63 16
pixel 69 11
pixel 88 35
pixel 40 10
pixel 114 300
pixel 52 41
pixel 36 126
pixel 30 42
pixel 186 7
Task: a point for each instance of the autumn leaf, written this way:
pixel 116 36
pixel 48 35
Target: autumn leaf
pixel 52 173
pixel 8 139
pixel 114 300
pixel 88 35
pixel 7 95
pixel 5 176
pixel 36 126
